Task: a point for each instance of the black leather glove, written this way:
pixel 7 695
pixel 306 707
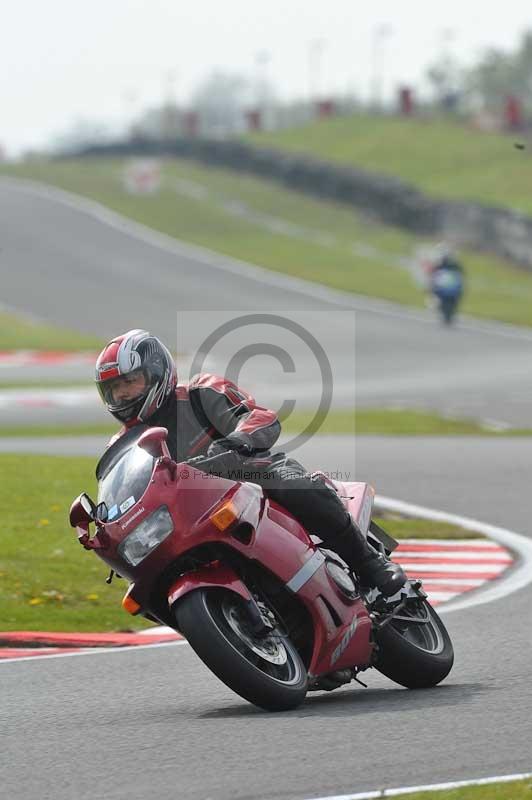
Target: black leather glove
pixel 228 464
pixel 230 452
pixel 224 462
pixel 240 443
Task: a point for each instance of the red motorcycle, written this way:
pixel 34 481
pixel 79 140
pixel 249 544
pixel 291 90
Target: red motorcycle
pixel 272 613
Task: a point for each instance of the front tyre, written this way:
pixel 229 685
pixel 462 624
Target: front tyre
pixel 265 670
pixel 414 648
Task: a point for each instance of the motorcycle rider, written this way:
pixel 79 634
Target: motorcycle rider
pixel 137 380
pixel 446 276
pixel 446 260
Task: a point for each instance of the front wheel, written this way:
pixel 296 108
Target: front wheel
pixel 266 670
pixel 414 648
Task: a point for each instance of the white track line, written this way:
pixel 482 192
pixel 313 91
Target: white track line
pixel 52 398
pixel 251 271
pixel 453 568
pixel 431 787
pixel 518 577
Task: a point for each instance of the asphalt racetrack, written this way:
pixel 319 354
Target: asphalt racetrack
pixel 79 266
pixel 155 722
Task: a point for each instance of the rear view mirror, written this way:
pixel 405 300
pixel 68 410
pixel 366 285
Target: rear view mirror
pixel 82 511
pixel 153 441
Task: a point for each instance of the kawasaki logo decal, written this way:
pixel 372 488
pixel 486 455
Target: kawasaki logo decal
pixel 346 638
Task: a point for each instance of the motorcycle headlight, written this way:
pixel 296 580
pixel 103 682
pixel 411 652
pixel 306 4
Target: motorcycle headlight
pixel 146 537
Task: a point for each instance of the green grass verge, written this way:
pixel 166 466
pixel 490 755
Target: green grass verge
pixel 395 422
pixel 286 231
pixel 389 422
pixel 39 431
pixel 444 158
pixel 47 581
pixel 513 790
pixel 20 333
pixel 401 528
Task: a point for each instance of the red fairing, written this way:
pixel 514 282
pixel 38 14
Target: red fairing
pixel 272 539
pixel 284 547
pixel 214 574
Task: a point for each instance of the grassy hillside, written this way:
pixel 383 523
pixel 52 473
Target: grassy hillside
pixel 445 159
pixel 286 231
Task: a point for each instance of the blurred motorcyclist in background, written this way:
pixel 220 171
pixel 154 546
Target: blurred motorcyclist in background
pixel 137 380
pixel 445 279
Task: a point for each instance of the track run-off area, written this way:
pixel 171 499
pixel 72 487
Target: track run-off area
pixel 152 721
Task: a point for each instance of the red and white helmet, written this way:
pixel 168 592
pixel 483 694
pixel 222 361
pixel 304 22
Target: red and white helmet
pixel 141 360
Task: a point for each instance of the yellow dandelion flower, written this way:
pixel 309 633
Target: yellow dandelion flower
pixel 92 597
pixel 36 601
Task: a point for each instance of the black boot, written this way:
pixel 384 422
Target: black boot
pixel 372 569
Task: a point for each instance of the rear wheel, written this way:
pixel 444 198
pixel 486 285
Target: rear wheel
pixel 414 648
pixel 266 670
pixel 448 308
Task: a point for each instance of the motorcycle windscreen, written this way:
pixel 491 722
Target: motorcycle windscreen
pixel 114 453
pixel 125 482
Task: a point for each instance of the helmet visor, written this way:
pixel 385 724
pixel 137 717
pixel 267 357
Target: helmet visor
pixel 125 390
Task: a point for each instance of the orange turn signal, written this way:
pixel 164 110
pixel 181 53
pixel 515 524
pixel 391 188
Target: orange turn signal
pixel 224 516
pixel 130 605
